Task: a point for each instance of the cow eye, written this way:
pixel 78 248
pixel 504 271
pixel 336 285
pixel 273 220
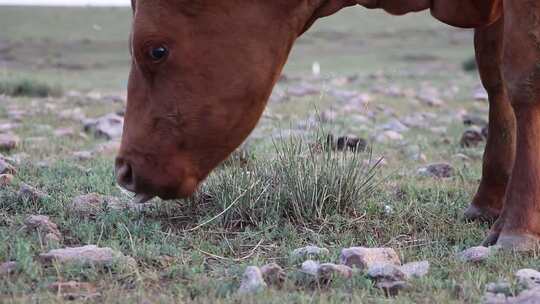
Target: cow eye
pixel 158 53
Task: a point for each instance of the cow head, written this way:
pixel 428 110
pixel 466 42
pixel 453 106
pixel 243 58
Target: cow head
pixel 202 71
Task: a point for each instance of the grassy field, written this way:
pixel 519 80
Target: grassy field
pixel 281 190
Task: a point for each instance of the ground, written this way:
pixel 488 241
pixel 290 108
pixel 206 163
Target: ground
pixel 284 189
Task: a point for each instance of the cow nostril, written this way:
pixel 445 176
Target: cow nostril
pixel 124 174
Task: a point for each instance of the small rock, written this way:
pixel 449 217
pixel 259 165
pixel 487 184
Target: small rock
pixel 6 168
pixel 310 250
pixel 252 281
pixel 364 258
pixel 385 272
pixel 472 137
pixel 388 136
pixel 473 120
pixel 5 180
pixel 86 255
pixel 414 153
pixel 83 155
pixel 391 288
pixel 430 96
pixel 499 287
pixel 494 298
pixel 273 274
pixel 109 126
pixel 327 271
pixel 8 142
pixel 528 278
pixel 352 143
pixel 439 170
pixel 7 268
pixel 310 267
pixel 44 226
pixel 480 94
pixel 31 193
pixel 475 254
pixel 415 269
pixel 302 90
pixel 90 205
pixel 531 296
pixel 394 125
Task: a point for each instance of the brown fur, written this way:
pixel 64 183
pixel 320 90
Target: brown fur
pixel 187 114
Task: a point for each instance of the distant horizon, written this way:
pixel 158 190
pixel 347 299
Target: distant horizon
pixel 65 2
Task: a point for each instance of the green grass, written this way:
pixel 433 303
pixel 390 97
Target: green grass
pixel 278 193
pixel 28 88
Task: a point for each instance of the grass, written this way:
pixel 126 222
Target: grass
pixel 28 88
pixel 284 189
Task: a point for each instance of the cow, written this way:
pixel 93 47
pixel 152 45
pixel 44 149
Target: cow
pixel 203 70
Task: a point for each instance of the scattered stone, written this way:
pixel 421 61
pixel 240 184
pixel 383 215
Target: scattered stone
pixel 66 132
pixel 414 153
pixel 388 136
pixel 86 255
pixel 6 168
pixel 328 116
pixel 352 143
pixel 30 193
pixel 531 296
pixel 273 274
pixel 392 288
pixel 475 254
pixel 528 278
pixel 6 127
pixel 7 268
pixel 415 269
pixel 473 120
pixel 438 170
pixel 480 93
pixel 90 205
pixel 310 251
pixel 364 258
pixel 74 290
pixel 303 90
pixel 109 126
pixel 499 287
pixel 72 114
pixel 385 272
pixel 310 267
pixel 5 180
pixel 494 298
pixel 44 227
pixel 83 155
pixel 394 125
pixel 472 137
pixel 328 271
pixel 8 142
pixel 430 96
pixel 252 281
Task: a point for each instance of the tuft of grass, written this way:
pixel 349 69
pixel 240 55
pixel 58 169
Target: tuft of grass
pixel 300 184
pixel 28 88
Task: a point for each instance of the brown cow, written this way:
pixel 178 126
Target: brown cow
pixel 203 70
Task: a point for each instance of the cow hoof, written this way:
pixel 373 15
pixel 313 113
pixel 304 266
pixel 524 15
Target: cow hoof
pixel 519 242
pixel 474 213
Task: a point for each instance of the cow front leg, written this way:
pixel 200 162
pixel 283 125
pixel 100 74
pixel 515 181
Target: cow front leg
pixel 500 149
pixel 518 226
